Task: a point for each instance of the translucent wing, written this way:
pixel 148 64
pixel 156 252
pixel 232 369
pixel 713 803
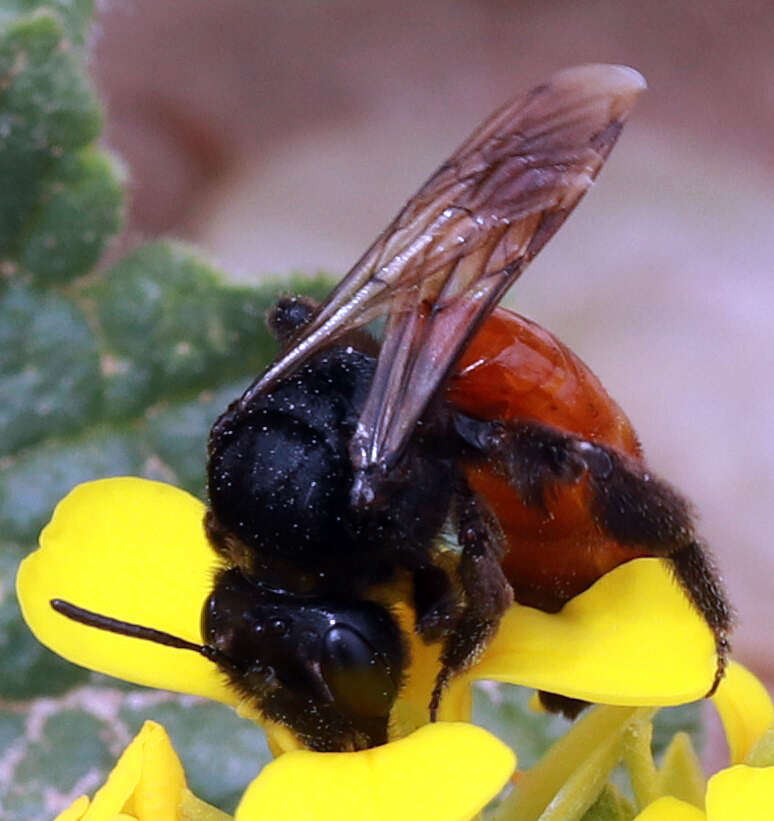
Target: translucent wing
pixel 442 265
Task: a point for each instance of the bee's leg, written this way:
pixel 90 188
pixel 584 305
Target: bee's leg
pixel 628 503
pixel 435 602
pixel 638 509
pixel 487 593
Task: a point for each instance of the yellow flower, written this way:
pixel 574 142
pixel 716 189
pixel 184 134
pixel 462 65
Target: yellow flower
pixel 745 709
pixel 393 781
pixel 441 772
pixel 742 791
pixel 739 793
pixel 135 550
pixel 667 808
pixel 147 784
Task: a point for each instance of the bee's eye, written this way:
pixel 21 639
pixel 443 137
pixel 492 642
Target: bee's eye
pixel 289 315
pixel 359 677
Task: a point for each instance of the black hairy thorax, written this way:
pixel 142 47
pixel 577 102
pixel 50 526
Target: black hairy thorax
pixel 280 477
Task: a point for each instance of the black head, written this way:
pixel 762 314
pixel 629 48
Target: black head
pixel 289 315
pixel 330 667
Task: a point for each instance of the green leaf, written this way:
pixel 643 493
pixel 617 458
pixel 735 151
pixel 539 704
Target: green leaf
pixel 74 15
pixel 12 741
pixel 177 433
pixel 47 101
pixel 49 368
pixel 75 731
pixel 47 108
pixel 78 213
pixel 47 473
pixel 11 728
pixel 170 326
pixel 59 760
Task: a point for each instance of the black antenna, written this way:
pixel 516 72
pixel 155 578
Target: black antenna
pixel 137 631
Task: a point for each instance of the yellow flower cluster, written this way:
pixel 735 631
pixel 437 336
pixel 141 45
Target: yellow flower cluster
pixel 631 640
pixel 381 784
pixel 744 790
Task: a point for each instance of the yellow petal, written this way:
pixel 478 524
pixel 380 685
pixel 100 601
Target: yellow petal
pixel 632 639
pixel 145 784
pixel 158 792
pixel 745 709
pixel 194 809
pixel 75 811
pixel 411 708
pixel 681 773
pixel 670 809
pixel 134 550
pixel 442 771
pixel 741 793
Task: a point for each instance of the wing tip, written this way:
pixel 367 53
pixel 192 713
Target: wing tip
pixel 621 83
pixel 610 77
pixel 610 90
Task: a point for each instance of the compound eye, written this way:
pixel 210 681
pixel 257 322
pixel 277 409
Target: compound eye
pixel 356 674
pixel 289 315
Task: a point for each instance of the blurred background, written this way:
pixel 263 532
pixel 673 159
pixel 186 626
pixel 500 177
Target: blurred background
pixel 282 137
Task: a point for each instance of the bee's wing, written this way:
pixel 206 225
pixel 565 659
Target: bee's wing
pixel 448 257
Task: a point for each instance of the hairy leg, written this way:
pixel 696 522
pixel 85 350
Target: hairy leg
pixel 487 593
pixel 627 503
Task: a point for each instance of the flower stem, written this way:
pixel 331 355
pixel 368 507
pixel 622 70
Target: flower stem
pixel 567 780
pixel 638 758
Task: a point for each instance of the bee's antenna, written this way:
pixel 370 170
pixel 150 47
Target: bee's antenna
pixel 137 631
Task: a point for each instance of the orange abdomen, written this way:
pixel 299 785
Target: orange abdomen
pixel 514 370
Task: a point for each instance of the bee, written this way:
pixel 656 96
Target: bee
pixel 336 472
